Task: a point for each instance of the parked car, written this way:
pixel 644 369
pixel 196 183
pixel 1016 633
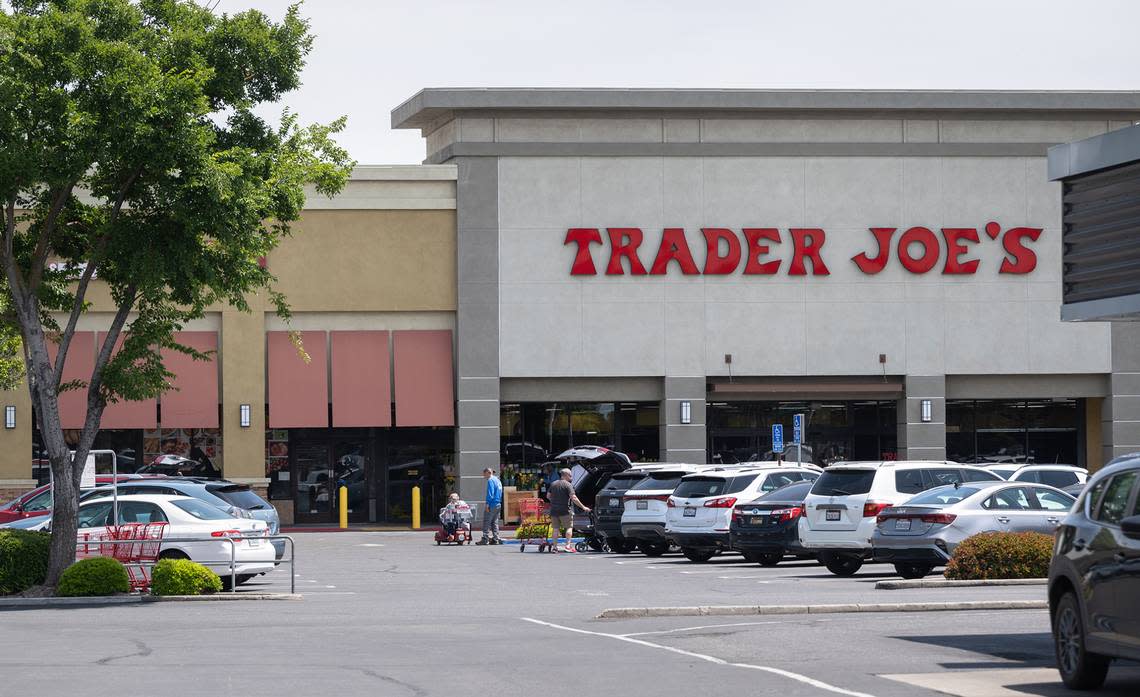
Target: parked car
pixel 188 518
pixel 1059 476
pixel 924 531
pixel 645 504
pixel 38 501
pixel 591 467
pixel 1074 490
pixel 698 514
pixel 766 529
pixel 1094 578
pixel 608 507
pixel 839 512
pixel 178 466
pixel 238 500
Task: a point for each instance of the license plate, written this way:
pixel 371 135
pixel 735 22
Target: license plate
pixel 643 505
pixel 831 515
pixel 756 520
pixel 254 543
pixel 690 513
pixel 902 523
pixel 614 503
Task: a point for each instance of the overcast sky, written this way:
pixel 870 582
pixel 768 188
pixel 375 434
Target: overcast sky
pixel 371 55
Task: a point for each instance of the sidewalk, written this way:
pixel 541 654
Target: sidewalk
pixel 372 527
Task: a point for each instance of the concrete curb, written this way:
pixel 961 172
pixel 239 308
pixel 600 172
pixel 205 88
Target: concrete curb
pixel 712 610
pixel 947 583
pixel 220 597
pixel 43 603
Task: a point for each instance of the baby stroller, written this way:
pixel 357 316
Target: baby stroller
pixel 456 520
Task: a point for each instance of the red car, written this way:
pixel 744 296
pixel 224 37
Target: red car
pixel 37 502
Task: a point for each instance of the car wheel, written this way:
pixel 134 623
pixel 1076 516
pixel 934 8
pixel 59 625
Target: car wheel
pixel 698 555
pixel 173 554
pixel 243 578
pixel 620 545
pixel 751 557
pixel 913 570
pixel 770 558
pixel 841 564
pixel 653 549
pixel 1080 669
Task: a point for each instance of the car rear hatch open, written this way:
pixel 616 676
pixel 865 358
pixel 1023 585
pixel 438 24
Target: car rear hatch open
pixel 591 467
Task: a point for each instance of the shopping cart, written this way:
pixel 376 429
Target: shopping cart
pixel 534 519
pixel 135 545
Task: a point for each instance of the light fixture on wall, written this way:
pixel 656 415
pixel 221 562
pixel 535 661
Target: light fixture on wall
pixel 10 416
pixel 686 411
pixel 926 409
pixel 244 417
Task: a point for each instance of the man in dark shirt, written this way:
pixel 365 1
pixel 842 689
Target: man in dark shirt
pixel 561 496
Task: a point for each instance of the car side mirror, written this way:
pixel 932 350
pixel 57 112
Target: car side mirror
pixel 1131 527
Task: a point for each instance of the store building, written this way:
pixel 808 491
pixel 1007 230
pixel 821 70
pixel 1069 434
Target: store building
pixel 885 262
pixel 668 272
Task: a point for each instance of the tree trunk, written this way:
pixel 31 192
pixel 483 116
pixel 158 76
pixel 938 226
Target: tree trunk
pixel 64 517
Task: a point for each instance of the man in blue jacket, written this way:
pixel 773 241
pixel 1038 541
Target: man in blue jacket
pixel 491 512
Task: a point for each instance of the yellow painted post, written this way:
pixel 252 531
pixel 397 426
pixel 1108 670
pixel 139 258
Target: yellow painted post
pixel 415 508
pixel 343 496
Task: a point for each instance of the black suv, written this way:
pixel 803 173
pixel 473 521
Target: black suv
pixel 1094 579
pixel 608 508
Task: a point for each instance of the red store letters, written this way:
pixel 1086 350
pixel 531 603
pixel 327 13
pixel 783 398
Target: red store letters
pixel 918 249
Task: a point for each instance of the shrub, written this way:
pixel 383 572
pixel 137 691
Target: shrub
pixel 94 576
pixel 183 577
pixel 23 559
pixel 991 555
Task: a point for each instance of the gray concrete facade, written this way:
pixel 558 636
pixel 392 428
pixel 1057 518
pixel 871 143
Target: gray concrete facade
pixel 536 163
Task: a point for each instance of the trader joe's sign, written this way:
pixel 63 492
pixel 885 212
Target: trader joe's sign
pixel 749 251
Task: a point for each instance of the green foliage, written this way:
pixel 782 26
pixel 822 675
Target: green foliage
pixel 993 555
pixel 183 577
pixel 23 559
pixel 533 531
pixel 93 577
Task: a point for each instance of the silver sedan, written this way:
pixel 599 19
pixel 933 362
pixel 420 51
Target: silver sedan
pixel 922 532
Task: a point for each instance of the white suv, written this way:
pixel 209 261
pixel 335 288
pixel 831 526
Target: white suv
pixel 643 519
pixel 699 512
pixel 841 507
pixel 1058 476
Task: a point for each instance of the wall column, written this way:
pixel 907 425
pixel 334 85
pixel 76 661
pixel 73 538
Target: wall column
pixel 1120 415
pixel 684 442
pixel 477 323
pixel 242 349
pixel 16 444
pixel 918 440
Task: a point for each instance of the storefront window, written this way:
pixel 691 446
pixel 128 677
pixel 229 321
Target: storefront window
pixel 534 433
pixel 1015 431
pixel 836 431
pixel 423 457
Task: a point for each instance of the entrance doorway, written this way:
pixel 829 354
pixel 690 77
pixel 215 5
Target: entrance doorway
pixel 322 465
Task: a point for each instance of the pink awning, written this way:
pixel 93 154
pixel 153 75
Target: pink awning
pixel 194 401
pixel 361 381
pixel 78 366
pixel 122 414
pixel 425 394
pixel 298 391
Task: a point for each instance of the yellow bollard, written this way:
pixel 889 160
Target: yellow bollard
pixel 415 508
pixel 343 495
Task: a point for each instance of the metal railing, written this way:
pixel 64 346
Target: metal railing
pixel 231 563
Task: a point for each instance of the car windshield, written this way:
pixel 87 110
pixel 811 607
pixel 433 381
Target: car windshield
pixel 943 496
pixel 659 480
pixel 201 511
pixel 240 496
pixel 620 482
pixel 791 492
pixel 696 487
pixel 844 482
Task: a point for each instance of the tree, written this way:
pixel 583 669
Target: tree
pixel 130 155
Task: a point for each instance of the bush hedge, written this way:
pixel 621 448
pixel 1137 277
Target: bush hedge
pixel 183 577
pixel 92 577
pixel 993 555
pixel 23 559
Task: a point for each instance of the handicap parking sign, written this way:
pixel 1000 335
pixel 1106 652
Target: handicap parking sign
pixel 777 439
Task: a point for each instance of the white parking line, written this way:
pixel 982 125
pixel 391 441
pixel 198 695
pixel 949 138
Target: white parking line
pixel 711 659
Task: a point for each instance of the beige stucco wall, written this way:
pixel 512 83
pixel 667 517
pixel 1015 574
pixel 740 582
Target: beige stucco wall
pixel 380 256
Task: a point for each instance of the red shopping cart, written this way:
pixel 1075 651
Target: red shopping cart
pixel 534 524
pixel 135 545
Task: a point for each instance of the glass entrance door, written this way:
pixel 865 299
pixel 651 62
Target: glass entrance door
pixel 352 465
pixel 313 494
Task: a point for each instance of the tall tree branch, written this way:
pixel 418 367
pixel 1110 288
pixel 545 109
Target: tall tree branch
pixel 43 245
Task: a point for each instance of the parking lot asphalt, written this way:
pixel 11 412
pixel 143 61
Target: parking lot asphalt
pixel 392 614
